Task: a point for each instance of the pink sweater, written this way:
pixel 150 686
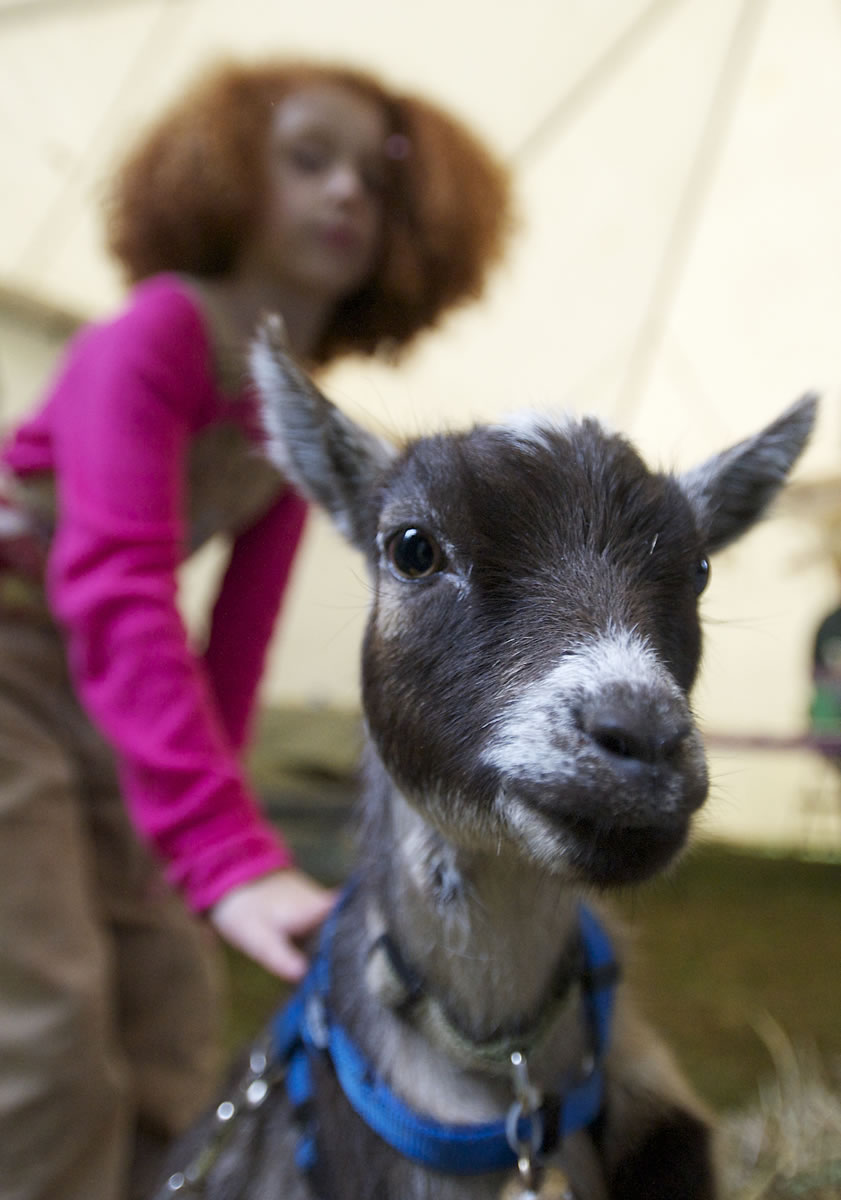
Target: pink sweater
pixel 116 429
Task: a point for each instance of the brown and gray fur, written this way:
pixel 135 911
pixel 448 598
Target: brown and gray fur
pixel 530 743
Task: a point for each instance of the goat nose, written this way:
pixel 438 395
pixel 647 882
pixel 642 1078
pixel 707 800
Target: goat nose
pixel 634 733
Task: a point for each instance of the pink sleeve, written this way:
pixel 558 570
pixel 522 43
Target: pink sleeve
pixel 246 610
pixel 122 419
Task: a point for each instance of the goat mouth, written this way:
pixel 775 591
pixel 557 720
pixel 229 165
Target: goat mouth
pixel 616 856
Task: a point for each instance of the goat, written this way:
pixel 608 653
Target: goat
pixel 532 640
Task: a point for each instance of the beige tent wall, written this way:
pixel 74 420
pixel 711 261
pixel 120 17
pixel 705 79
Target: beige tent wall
pixel 677 271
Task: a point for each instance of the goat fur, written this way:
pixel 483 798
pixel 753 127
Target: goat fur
pixel 530 741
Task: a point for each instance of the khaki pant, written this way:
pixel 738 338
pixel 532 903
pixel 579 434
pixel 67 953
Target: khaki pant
pixel 108 991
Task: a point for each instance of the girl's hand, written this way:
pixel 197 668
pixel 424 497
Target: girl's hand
pixel 265 918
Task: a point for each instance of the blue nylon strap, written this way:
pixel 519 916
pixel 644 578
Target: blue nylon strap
pixel 603 970
pixel 286 1027
pixel 456 1149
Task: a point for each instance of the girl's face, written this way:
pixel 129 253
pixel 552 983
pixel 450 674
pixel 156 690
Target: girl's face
pixel 322 222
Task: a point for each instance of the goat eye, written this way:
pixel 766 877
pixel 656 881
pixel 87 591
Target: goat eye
pixel 414 554
pixel 702 575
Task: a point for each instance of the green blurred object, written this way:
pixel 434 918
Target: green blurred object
pixel 825 709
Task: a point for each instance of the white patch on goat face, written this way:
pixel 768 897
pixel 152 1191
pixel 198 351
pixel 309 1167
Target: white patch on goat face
pixel 552 773
pixel 547 845
pixel 536 722
pixel 534 430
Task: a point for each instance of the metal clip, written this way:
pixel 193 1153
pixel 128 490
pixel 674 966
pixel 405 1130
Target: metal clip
pixel 526 1107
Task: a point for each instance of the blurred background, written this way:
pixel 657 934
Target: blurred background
pixel 677 271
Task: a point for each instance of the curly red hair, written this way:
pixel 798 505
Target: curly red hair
pixel 185 199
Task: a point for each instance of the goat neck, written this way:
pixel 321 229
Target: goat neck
pixel 473 925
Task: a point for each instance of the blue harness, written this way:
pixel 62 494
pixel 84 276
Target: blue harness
pixel 305 1029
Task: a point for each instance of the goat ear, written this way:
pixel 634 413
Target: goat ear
pixel 324 455
pixel 731 491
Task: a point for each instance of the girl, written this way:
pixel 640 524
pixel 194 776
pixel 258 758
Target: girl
pixel 361 215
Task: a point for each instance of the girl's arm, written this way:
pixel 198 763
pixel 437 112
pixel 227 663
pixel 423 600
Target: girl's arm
pixel 123 417
pixel 247 608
